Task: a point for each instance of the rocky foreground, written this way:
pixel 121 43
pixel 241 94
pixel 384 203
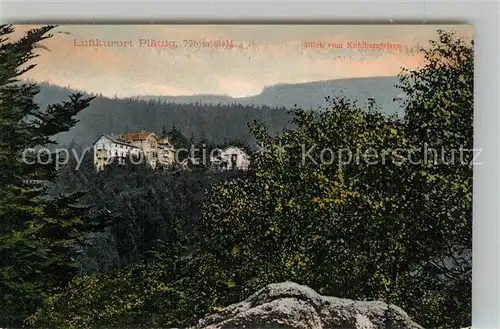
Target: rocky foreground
pixel 289 305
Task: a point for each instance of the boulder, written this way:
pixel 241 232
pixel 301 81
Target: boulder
pixel 289 305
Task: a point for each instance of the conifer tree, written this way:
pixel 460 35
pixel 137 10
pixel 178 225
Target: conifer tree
pixel 37 232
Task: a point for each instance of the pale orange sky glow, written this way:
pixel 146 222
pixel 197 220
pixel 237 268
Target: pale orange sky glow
pixel 262 55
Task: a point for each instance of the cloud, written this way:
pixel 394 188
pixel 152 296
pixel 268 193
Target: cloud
pixel 264 55
pixel 238 86
pixel 361 67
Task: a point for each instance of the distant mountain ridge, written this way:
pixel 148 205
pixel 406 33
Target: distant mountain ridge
pixel 214 117
pixel 309 95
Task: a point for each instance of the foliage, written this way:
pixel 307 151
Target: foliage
pixel 345 202
pixel 150 209
pixel 176 137
pixel 395 228
pixel 439 117
pixel 126 291
pixel 37 232
pixel 298 216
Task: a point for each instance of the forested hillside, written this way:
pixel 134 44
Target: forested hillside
pixel 309 95
pixel 216 118
pixel 215 122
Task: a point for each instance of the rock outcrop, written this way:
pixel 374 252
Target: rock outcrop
pixel 289 305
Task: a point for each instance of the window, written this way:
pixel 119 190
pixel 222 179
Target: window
pixel 233 161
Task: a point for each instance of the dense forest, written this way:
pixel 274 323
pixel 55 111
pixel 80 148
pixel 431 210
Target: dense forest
pixel 130 247
pixel 214 122
pixel 216 118
pixel 149 208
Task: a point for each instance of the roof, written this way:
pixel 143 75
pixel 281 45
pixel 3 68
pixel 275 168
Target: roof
pixel 163 141
pixel 115 139
pixel 137 136
pixel 233 150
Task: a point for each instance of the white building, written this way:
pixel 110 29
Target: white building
pixel 147 142
pixel 142 146
pixel 232 158
pixel 110 148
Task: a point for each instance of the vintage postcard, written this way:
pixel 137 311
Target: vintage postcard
pixel 236 176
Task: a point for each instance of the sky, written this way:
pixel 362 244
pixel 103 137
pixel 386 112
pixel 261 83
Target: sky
pixel 187 59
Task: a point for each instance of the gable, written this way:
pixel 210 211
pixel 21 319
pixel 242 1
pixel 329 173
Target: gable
pixel 234 150
pixel 102 138
pixel 152 138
